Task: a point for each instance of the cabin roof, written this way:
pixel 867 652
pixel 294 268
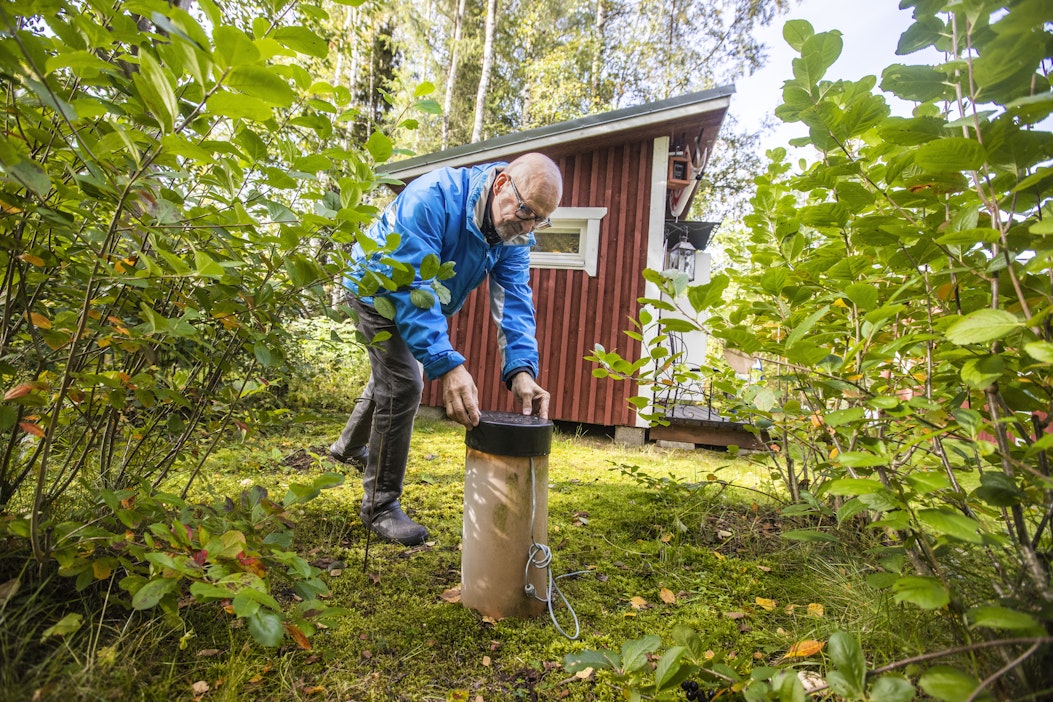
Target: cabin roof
pixel 669 117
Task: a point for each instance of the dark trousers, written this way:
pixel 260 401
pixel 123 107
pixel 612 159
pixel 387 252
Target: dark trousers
pixel 382 418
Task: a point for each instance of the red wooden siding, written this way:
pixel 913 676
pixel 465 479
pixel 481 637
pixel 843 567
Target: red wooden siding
pixel 574 311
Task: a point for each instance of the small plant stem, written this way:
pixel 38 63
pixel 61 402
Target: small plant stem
pixel 1002 671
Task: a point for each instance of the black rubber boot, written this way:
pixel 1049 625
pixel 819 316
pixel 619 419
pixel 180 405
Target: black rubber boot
pixel 393 525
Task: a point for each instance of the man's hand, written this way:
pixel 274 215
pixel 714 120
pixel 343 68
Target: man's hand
pixel 461 397
pixel 530 397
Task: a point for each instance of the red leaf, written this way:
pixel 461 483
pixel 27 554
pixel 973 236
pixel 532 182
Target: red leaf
pixel 298 636
pixel 30 428
pixel 19 391
pixel 200 557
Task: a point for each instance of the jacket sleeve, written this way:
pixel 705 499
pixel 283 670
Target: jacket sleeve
pixel 420 219
pixel 512 307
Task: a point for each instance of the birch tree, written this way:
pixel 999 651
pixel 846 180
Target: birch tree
pixel 487 67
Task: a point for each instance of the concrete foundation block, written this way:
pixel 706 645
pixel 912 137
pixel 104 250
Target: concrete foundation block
pixel 630 436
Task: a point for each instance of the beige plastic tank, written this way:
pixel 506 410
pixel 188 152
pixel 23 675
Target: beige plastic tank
pixel 505 514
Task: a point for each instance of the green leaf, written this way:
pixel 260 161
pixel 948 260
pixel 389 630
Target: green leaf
pixel 156 91
pixel 206 266
pixel 707 295
pixel 970 237
pixel 422 298
pixel 818 53
pixel 924 591
pixel 892 688
pixel 981 372
pixel 947 684
pixel 302 40
pixel 32 176
pixel 666 672
pixel 634 652
pixel 69 624
pixel 861 459
pixel 261 83
pixel 864 295
pixel 915 83
pixel 153 592
pixel 949 523
pixel 227 104
pixel 854 486
pixel 384 307
pixel 380 146
pixel 234 47
pixel 982 326
pixel 950 154
pixel 796 32
pixel 429 267
pixel 999 490
pixel 847 656
pixel 805 327
pixel 845 416
pixel 597 660
pixel 1001 618
pixel 266 627
pixel 1040 351
pixel 808 535
pixel 773 280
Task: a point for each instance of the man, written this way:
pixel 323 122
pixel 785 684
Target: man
pixel 481 219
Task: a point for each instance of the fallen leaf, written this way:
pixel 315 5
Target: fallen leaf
pixel 489 620
pixel 453 595
pixel 803 649
pixel 734 615
pixel 457 696
pixel 666 538
pixel 767 604
pixel 314 690
pixel 584 674
pixel 719 555
pixel 200 687
pixel 335 572
pixel 764 569
pixel 486 661
pixel 667 595
pixel 816 610
pixel 367 654
pixel 208 652
pixel 298 636
pixel 638 602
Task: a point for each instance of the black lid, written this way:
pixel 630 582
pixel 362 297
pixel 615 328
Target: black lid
pixel 510 434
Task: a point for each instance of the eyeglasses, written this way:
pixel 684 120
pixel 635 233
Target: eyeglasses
pixel 526 214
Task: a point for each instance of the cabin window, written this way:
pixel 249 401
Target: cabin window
pixel 573 240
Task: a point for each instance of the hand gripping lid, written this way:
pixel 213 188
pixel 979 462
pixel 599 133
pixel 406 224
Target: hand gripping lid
pixel 510 434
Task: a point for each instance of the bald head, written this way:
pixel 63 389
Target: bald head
pixel 539 181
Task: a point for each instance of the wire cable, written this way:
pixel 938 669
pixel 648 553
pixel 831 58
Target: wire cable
pixel 540 557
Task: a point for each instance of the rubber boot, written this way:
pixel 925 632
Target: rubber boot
pixel 381 510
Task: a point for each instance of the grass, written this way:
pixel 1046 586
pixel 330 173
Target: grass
pixel 638 523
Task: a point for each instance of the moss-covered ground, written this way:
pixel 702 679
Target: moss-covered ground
pixel 657 537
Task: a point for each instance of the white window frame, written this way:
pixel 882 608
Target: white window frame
pixel 586 221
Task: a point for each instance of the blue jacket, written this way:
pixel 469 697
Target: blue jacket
pixel 437 213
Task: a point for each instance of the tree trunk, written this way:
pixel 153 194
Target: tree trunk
pixel 451 73
pixel 484 78
pixel 597 55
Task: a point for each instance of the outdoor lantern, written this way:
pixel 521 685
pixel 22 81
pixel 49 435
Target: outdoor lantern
pixel 682 256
